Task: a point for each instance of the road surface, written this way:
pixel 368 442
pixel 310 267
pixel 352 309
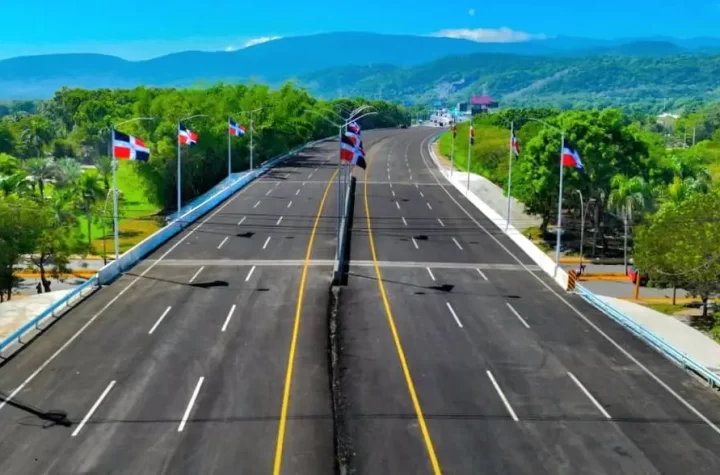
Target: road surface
pixel 466 359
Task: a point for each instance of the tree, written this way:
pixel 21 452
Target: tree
pixel 35 135
pixel 88 191
pixel 7 141
pixel 104 166
pixel 54 245
pixel 680 246
pixel 20 230
pixel 40 171
pixel 67 171
pixel 629 195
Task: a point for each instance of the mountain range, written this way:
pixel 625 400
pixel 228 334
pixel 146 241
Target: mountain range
pixel 345 62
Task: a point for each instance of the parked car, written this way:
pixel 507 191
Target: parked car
pixel 634 272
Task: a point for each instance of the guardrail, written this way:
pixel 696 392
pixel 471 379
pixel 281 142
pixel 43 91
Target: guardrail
pixel 128 259
pixel 90 285
pixel 649 337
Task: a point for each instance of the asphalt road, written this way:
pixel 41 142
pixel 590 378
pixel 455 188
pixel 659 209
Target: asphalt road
pixel 181 366
pixel 477 364
pixel 457 355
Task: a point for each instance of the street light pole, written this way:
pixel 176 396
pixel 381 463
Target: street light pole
pixel 509 186
pixel 179 162
pixel 114 166
pixel 582 226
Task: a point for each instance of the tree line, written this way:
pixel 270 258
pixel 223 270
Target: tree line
pixel 55 167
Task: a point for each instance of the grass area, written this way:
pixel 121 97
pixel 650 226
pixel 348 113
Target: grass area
pixel 138 216
pixel 666 308
pixel 535 235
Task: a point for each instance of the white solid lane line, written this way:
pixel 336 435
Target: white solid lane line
pixel 279 221
pixel 431 274
pixel 290 204
pixel 457 244
pixel 415 243
pixel 517 315
pixel 191 404
pixel 252 269
pixel 590 396
pixel 441 223
pixel 227 320
pixel 93 409
pixel 192 279
pixel 428 205
pixel 457 320
pixel 481 274
pixel 404 222
pixel 297 192
pixel 266 242
pixel 242 220
pixel 256 204
pixel 167 310
pixel 502 396
pixel 223 242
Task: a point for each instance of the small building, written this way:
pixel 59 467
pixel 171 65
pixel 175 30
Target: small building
pixel 481 104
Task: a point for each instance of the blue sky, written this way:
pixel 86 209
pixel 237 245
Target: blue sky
pixel 139 29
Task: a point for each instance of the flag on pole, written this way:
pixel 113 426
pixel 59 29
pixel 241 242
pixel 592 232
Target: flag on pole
pixel 352 150
pixel 515 144
pixel 570 158
pixel 127 147
pixel 472 135
pixel 236 129
pixel 354 127
pixel 187 136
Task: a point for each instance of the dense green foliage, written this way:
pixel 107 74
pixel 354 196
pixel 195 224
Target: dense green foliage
pixel 638 82
pixel 41 156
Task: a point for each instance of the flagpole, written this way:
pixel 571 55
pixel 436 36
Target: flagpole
pixel 115 195
pixel 470 139
pixel 452 153
pixel 339 190
pixel 512 135
pixel 179 174
pixel 229 149
pixel 560 199
pixel 252 130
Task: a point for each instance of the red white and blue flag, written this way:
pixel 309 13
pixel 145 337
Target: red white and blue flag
pixel 354 127
pixel 352 150
pixel 515 145
pixel 236 129
pixel 187 136
pixel 127 147
pixel 570 158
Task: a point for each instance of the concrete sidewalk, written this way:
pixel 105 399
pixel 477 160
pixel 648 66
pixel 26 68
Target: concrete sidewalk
pixel 17 312
pixel 683 337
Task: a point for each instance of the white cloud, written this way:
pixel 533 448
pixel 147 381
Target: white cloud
pixel 489 35
pixel 262 39
pixel 471 12
pixel 230 48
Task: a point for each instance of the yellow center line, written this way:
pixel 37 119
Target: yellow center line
pixel 396 336
pixel 296 330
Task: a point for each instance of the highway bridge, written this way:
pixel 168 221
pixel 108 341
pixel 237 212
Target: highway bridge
pixel 455 353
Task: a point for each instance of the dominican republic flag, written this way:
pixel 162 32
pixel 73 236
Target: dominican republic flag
pixel 352 150
pixel 514 144
pixel 570 158
pixel 236 129
pixel 187 136
pixel 127 147
pixel 472 135
pixel 354 127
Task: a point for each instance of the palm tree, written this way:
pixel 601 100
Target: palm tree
pixel 40 171
pixel 14 183
pixel 68 170
pixel 61 204
pixel 104 166
pixel 628 195
pixel 33 139
pixel 88 191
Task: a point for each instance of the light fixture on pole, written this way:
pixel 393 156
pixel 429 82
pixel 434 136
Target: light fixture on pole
pixel 113 127
pixel 179 161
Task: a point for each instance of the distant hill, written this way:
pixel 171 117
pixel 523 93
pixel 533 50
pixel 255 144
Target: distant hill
pixel 594 81
pixel 37 77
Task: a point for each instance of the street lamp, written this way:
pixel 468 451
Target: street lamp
pixel 179 167
pixel 252 129
pixel 582 226
pixel 560 195
pixel 114 170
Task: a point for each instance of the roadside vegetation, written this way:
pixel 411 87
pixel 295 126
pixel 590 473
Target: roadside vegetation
pixel 662 177
pixel 56 175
